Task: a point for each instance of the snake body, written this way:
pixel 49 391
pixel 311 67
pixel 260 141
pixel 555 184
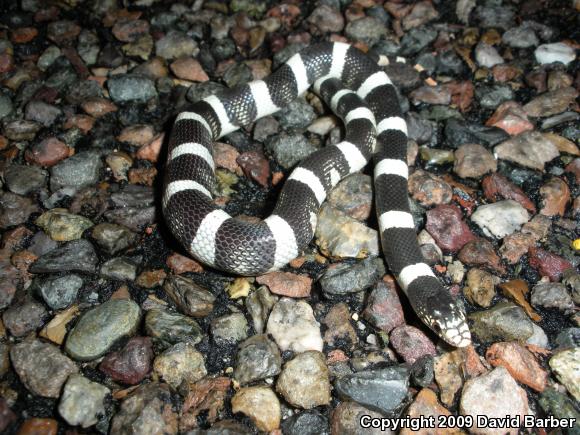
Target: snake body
pixel 361 93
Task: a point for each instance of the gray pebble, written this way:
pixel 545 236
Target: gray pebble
pixel 77 255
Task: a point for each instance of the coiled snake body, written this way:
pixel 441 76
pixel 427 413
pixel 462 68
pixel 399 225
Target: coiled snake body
pixel 374 128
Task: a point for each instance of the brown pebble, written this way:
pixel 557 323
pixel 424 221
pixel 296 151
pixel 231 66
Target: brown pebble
pixel 48 152
pixel 151 278
pixel 39 426
pixel 225 156
pixel 429 189
pixel 187 68
pixel 22 35
pixel 424 405
pixel 287 284
pixel 548 264
pixel 98 106
pixel 519 362
pixel 144 176
pixel 480 252
pixel 555 197
pixel 496 186
pixel 180 264
pixel 129 30
pixel 83 122
pixel 151 151
pixel 139 135
pixel 511 118
pixel 255 167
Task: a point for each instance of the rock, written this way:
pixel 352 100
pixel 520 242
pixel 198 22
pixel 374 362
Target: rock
pixel 101 327
pixel 259 303
pixel 555 52
pixel 82 401
pixel 258 358
pixel 81 170
pixel 511 118
pixel 559 405
pixel 6 105
pixel 425 405
pixel 60 292
pixel 260 404
pixel 41 112
pixel 22 179
pixel 41 367
pixel 7 416
pixel 229 329
pixel 296 115
pixel 447 227
pixel 552 295
pixel 500 218
pixel 75 256
pixel 306 423
pixel 131 364
pixel 128 30
pixel 411 343
pixel 383 390
pixel 188 68
pixel 63 226
pixel 520 37
pixel 519 362
pixel 15 209
pixel 495 395
pixel 448 371
pixel 490 97
pixel 35 426
pixel 189 297
pixel 459 132
pixel 431 95
pixel 434 156
pixel 128 87
pixel 346 419
pixel 119 268
pixel 293 326
pixel 487 56
pixel 113 238
pixel 167 328
pixel 538 338
pixel 341 236
pixel 384 310
pixel 479 287
pixel 48 152
pixel 566 365
pixel 353 195
pixel 148 409
pixel 286 284
pixel 429 189
pixel 415 40
pixel 305 380
pixel 555 197
pixel 505 321
pixel 528 149
pixel 341 278
pixel 326 19
pixel 288 150
pixel 480 252
pixel 25 318
pixel 497 186
pixel 367 29
pixel 548 264
pixel 180 363
pixel 422 371
pixel 339 331
pixel 473 160
pixel 180 264
pixel 551 103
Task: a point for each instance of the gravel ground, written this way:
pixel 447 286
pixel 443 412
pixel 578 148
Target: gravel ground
pixel 107 327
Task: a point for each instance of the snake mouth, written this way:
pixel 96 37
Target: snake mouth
pixel 457 335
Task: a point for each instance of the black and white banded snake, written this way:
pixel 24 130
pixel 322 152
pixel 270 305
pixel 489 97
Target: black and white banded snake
pixel 374 128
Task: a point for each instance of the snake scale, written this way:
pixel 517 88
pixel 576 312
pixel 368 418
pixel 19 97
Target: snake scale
pixel 363 96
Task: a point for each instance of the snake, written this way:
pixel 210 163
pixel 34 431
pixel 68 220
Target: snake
pixel 360 92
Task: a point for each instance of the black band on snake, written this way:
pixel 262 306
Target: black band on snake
pixel 374 128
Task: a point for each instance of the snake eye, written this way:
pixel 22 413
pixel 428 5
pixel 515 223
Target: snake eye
pixel 436 327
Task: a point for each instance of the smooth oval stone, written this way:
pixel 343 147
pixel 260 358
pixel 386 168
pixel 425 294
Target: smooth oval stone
pixel 99 328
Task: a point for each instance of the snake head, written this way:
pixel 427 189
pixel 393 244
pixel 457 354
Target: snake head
pixel 443 315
